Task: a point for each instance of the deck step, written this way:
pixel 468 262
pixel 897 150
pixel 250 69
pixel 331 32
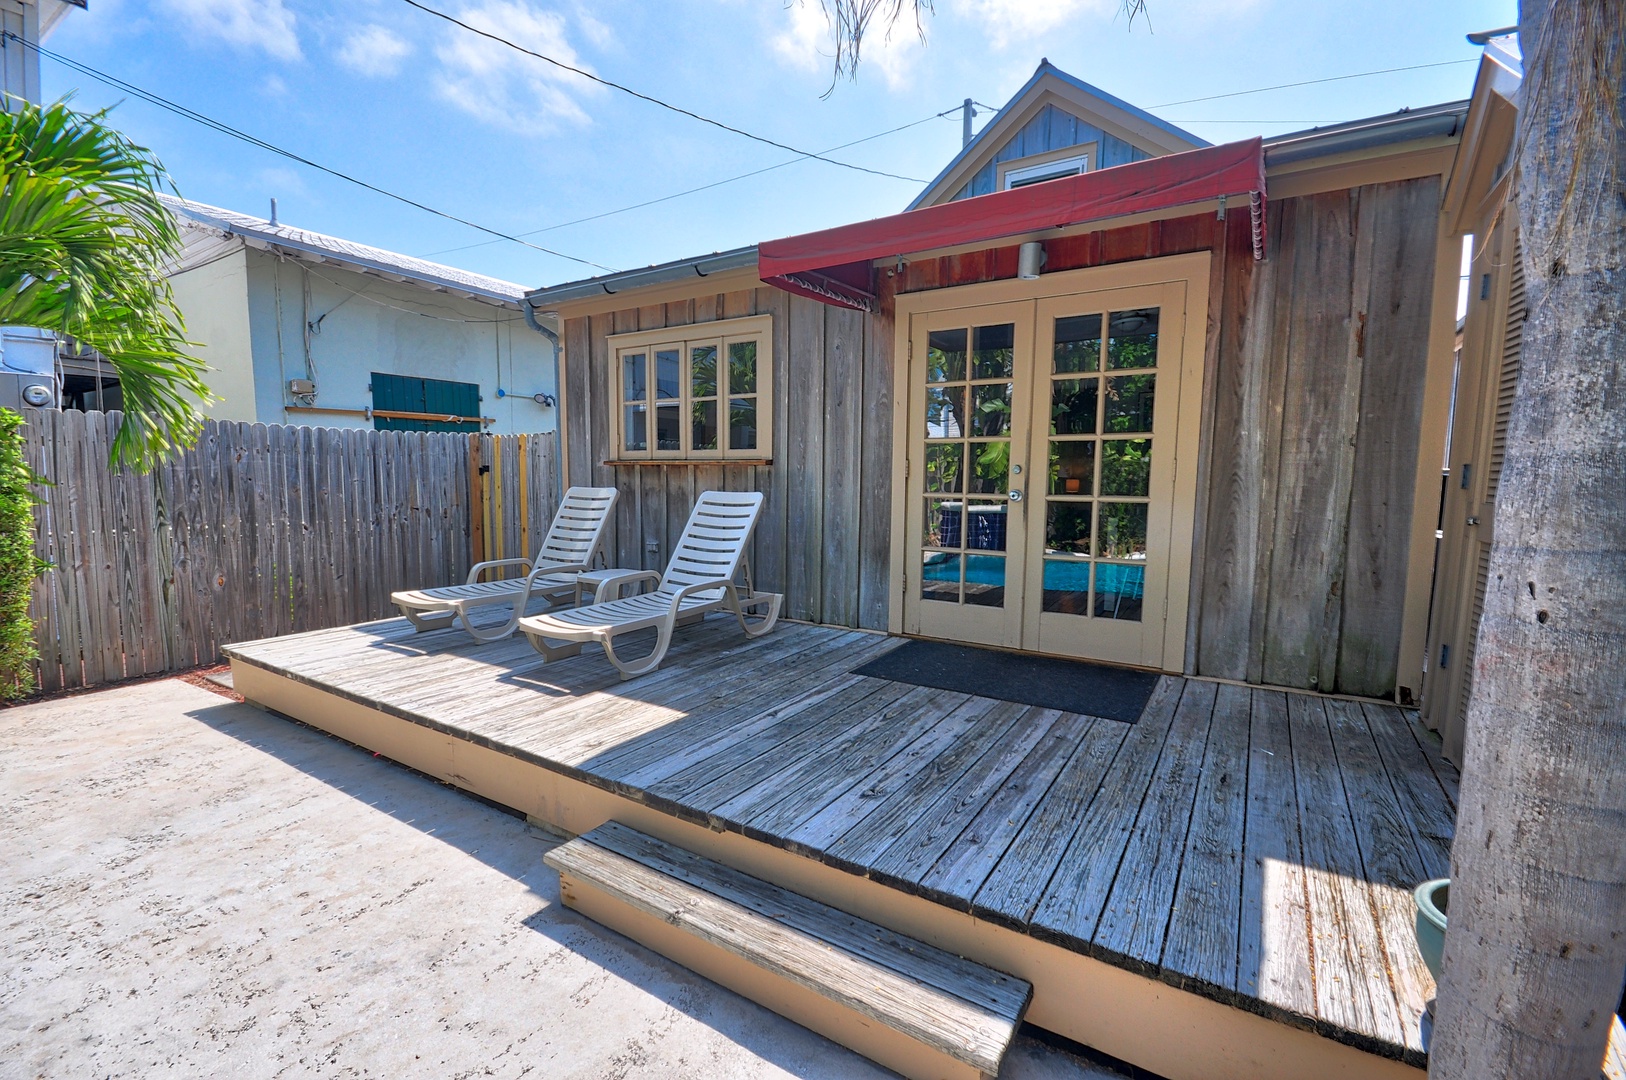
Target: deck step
pixel 912 1007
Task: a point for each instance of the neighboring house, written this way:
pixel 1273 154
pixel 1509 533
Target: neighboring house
pixel 32 21
pixel 1256 499
pixel 302 328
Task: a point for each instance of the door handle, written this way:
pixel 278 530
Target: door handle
pixel 1016 495
pixel 1473 521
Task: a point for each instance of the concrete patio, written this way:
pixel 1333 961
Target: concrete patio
pixel 193 887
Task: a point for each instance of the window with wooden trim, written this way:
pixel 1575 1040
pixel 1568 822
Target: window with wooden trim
pixel 694 393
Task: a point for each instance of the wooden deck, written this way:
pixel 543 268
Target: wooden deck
pixel 1250 846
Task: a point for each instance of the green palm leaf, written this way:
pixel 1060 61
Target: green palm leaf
pixel 84 245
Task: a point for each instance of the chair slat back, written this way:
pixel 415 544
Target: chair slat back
pixel 577 531
pixel 714 540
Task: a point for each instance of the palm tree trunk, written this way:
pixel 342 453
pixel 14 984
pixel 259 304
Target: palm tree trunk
pixel 1536 948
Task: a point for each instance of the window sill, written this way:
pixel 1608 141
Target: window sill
pixel 694 463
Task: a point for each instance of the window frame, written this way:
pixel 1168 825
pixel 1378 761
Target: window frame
pixel 723 333
pixel 1040 168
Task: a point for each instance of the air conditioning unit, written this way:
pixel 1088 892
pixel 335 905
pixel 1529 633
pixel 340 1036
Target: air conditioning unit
pixel 28 374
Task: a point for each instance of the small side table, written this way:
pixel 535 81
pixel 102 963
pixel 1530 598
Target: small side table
pixel 608 584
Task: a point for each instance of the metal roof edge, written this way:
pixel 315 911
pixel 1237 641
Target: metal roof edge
pixel 1443 120
pixel 659 274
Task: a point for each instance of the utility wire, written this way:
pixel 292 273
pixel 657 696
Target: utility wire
pixel 707 187
pixel 226 129
pixel 1307 82
pixel 645 97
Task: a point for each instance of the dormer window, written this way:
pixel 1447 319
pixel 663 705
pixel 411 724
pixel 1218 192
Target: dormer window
pixel 1046 170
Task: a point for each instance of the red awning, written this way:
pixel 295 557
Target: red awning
pixel 833 265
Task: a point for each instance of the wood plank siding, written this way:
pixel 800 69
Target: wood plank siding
pixel 1052 129
pixel 826 525
pixel 1312 416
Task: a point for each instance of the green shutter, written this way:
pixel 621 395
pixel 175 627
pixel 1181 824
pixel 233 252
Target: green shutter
pixel 404 393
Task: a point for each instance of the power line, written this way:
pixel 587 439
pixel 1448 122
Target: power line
pixel 226 129
pixel 706 187
pixel 645 97
pixel 1307 82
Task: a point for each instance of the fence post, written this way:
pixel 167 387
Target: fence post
pixel 477 501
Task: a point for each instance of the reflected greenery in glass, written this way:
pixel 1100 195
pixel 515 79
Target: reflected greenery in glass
pixel 944 467
pixel 1123 531
pixel 1129 403
pixel 991 409
pixel 945 412
pixel 1072 467
pixel 1132 339
pixel 705 425
pixel 1067 527
pixel 945 356
pixel 742 367
pixel 703 371
pixel 993 351
pixel 1126 467
pixel 1072 406
pixel 990 466
pixel 1078 344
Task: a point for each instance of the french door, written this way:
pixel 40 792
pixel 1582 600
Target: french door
pixel 1042 482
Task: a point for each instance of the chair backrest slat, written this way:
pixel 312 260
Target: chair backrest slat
pixel 577 531
pixel 714 541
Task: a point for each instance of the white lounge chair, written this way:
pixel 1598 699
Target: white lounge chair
pixel 572 542
pixel 698 580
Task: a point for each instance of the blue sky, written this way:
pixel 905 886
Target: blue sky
pixel 389 94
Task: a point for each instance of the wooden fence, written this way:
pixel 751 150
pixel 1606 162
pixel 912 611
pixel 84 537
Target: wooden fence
pixel 258 531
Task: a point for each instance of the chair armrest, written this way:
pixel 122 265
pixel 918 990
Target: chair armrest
pixel 559 568
pixel 620 584
pixel 474 571
pixel 700 587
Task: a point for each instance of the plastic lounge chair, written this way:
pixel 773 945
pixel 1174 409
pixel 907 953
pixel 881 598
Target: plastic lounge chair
pixel 572 542
pixel 699 580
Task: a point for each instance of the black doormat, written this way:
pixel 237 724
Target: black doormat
pixel 1070 685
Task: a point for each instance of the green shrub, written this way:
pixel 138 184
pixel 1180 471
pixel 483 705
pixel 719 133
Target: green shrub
pixel 19 566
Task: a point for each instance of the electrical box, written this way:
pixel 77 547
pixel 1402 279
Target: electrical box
pixel 301 387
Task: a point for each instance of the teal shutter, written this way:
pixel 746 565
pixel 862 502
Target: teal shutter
pixel 404 393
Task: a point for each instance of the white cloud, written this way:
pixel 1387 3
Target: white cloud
pixel 374 50
pixel 596 32
pixel 502 86
pixel 253 24
pixel 809 45
pixel 1009 22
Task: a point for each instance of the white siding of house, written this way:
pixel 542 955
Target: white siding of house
pixel 213 298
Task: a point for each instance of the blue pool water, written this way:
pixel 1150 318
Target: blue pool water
pixel 1059 575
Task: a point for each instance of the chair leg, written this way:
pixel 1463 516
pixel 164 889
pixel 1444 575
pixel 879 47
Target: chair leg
pixel 553 652
pixel 757 600
pixel 422 622
pixel 498 633
pixel 649 663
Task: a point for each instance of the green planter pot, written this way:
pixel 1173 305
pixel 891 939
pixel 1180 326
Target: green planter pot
pixel 1432 898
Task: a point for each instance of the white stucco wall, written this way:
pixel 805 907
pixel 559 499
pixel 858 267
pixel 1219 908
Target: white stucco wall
pixel 366 324
pixel 213 299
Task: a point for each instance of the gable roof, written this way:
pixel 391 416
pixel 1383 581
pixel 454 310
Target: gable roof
pixel 349 255
pixel 1049 84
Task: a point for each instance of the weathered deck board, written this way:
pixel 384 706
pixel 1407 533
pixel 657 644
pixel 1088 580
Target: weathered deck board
pixel 1247 844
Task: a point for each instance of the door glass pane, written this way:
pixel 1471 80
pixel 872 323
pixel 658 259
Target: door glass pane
pixel 633 373
pixel 1072 467
pixel 1126 467
pixel 945 410
pixel 991 409
pixel 666 375
pixel 632 427
pixel 1132 339
pixel 705 425
pixel 993 349
pixel 945 356
pixel 1122 532
pixel 985 580
pixel 742 367
pixel 1072 406
pixel 990 467
pixel 940 576
pixel 1119 591
pixel 1067 528
pixel 1067 586
pixel 1078 344
pixel 667 433
pixel 703 371
pixel 945 467
pixel 985 526
pixel 942 526
pixel 742 423
pixel 1129 404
